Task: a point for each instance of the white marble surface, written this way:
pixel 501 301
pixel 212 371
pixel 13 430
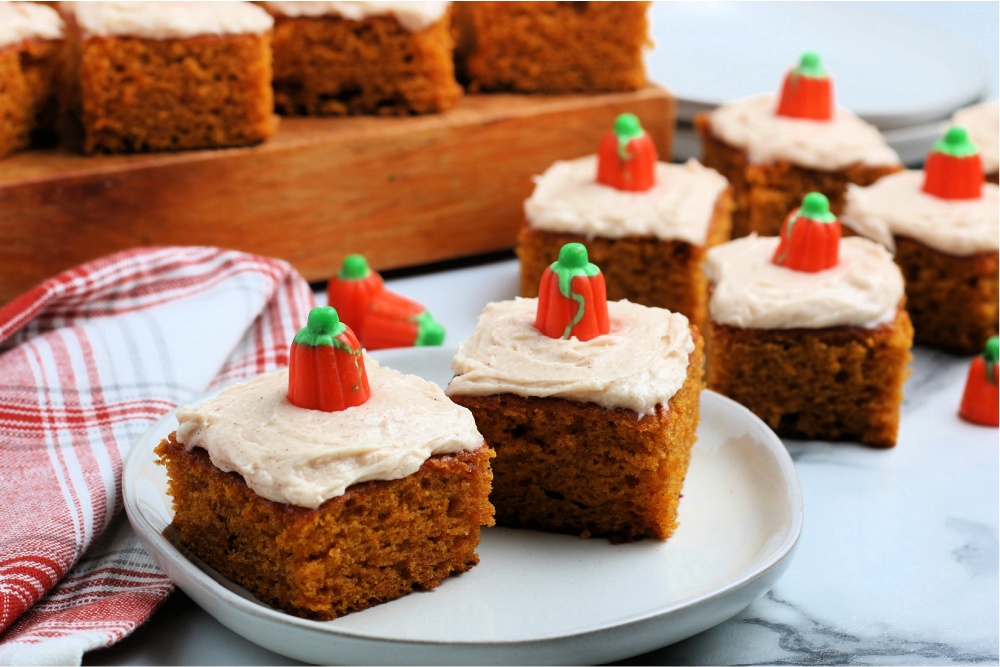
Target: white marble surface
pixel 897 563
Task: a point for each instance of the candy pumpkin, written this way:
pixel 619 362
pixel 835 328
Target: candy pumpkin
pixel 807 91
pixel 981 398
pixel 953 169
pixel 626 156
pixel 326 370
pixel 810 237
pixel 380 317
pixel 572 297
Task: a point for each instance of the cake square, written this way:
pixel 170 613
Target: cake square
pixel 819 355
pixel 325 513
pixel 650 245
pixel 947 251
pixel 552 47
pixel 170 76
pixel 31 52
pixel 349 58
pixel 593 437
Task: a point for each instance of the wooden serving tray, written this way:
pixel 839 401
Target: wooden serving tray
pixel 403 191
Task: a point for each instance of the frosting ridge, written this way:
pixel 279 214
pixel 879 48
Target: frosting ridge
pixel 568 198
pixel 170 20
pixel 305 457
pixel 641 363
pixel 412 16
pixel 749 292
pixel 846 139
pixel 28 20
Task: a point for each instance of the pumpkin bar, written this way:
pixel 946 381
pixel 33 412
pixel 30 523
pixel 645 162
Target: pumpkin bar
pixel 330 486
pixel 31 48
pixel 591 406
pixel 161 76
pixel 351 58
pixel 810 331
pixel 552 47
pixel 941 225
pixel 647 224
pixel 774 150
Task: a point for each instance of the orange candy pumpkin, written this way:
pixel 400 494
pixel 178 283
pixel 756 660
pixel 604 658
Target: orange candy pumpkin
pixel 572 297
pixel 326 370
pixel 810 237
pixel 626 156
pixel 807 90
pixel 981 398
pixel 953 169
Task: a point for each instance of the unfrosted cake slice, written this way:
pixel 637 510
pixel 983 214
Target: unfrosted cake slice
pixel 31 46
pixel 331 486
pixel 774 149
pixel 945 241
pixel 592 431
pixel 650 242
pixel 553 47
pixel 163 76
pixel 810 332
pixel 379 58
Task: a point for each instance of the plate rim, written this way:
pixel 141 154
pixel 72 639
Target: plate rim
pixel 777 557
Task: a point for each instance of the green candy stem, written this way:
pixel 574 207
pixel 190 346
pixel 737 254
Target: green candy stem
pixel 990 354
pixel 816 206
pixel 811 66
pixel 355 267
pixel 430 332
pixel 955 143
pixel 627 128
pixel 572 263
pixel 323 328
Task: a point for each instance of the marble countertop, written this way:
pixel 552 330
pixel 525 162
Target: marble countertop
pixel 897 562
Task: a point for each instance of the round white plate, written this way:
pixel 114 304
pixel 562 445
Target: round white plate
pixel 535 598
pixel 891 70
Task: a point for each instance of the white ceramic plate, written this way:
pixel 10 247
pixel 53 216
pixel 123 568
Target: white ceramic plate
pixel 893 71
pixel 536 598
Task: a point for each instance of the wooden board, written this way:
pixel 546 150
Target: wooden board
pixel 403 191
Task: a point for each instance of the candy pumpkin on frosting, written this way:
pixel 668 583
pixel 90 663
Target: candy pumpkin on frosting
pixel 953 169
pixel 810 237
pixel 572 297
pixel 807 90
pixel 326 370
pixel 626 156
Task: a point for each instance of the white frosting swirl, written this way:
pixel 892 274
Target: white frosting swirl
pixel 170 20
pixel 28 20
pixel 896 205
pixel 412 16
pixel 568 198
pixel 752 125
pixel 983 124
pixel 305 457
pixel 641 363
pixel 863 290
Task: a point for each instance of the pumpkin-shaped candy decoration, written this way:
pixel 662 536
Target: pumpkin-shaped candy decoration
pixel 326 371
pixel 626 156
pixel 981 399
pixel 953 169
pixel 572 298
pixel 380 317
pixel 352 289
pixel 807 91
pixel 810 237
pixel 392 320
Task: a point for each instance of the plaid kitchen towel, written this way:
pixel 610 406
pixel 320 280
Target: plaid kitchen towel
pixel 89 360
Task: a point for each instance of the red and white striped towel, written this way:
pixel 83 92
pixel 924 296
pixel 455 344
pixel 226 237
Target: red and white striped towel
pixel 89 360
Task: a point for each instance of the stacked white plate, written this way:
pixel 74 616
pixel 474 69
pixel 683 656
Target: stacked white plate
pixel 902 75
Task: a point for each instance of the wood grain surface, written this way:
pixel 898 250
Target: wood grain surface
pixel 403 191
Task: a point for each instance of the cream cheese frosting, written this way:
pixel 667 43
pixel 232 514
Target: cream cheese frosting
pixel 751 124
pixel 896 205
pixel 640 364
pixel 412 16
pixel 749 292
pixel 983 124
pixel 170 20
pixel 305 457
pixel 21 21
pixel 567 198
